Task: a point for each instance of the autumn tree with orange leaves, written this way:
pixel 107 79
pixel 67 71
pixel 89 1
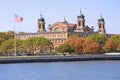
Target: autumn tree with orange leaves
pixel 116 39
pixel 76 43
pixel 90 47
pixel 110 46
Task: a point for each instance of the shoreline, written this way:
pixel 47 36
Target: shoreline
pixel 53 58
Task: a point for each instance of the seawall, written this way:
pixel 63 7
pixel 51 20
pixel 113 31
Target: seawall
pixel 28 59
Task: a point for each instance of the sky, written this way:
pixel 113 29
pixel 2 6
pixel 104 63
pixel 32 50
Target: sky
pixel 55 11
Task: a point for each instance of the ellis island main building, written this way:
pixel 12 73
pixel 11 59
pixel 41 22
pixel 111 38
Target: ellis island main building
pixel 59 32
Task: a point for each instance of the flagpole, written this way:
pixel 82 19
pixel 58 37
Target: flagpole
pixel 17 19
pixel 14 40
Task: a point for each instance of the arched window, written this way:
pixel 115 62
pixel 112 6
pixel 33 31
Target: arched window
pixel 57 29
pixel 39 26
pixel 100 26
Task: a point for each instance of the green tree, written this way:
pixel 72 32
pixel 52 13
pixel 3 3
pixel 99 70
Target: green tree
pixel 116 39
pixel 9 35
pixel 2 34
pixel 6 35
pixel 100 38
pixel 7 46
pixel 19 46
pixel 64 48
pixel 37 44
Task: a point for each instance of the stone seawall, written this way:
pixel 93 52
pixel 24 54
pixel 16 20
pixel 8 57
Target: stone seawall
pixel 28 59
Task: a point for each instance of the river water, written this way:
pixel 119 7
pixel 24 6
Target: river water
pixel 80 70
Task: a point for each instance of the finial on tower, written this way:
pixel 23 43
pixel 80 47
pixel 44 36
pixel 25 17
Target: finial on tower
pixel 80 10
pixel 65 21
pixel 101 18
pixel 41 18
pixel 41 14
pixel 101 15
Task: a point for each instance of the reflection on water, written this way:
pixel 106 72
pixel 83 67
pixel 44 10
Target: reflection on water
pixel 87 70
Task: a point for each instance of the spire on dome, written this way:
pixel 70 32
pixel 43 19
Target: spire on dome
pixel 41 18
pixel 80 14
pixel 101 18
pixel 65 21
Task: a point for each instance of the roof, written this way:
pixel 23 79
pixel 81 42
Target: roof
pixel 81 15
pixel 41 18
pixel 101 18
pixel 62 24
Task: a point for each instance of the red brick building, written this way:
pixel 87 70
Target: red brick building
pixel 59 32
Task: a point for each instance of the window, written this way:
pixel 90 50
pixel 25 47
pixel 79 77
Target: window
pixel 55 34
pixel 55 41
pixel 61 41
pixel 57 29
pixel 45 35
pixel 62 34
pixel 50 35
pixel 100 26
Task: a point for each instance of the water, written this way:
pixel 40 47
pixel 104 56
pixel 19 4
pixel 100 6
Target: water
pixel 87 70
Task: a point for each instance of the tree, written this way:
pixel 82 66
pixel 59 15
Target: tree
pixel 37 44
pixel 100 38
pixel 31 45
pixel 5 36
pixel 116 39
pixel 76 43
pixel 9 35
pixel 2 34
pixel 7 46
pixel 19 46
pixel 110 46
pixel 64 48
pixel 90 47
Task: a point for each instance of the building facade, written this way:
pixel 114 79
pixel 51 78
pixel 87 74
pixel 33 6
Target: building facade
pixel 59 32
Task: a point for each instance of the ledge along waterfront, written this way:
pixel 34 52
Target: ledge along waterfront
pixel 56 58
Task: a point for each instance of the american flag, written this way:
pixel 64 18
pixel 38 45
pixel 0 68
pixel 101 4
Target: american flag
pixel 18 18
